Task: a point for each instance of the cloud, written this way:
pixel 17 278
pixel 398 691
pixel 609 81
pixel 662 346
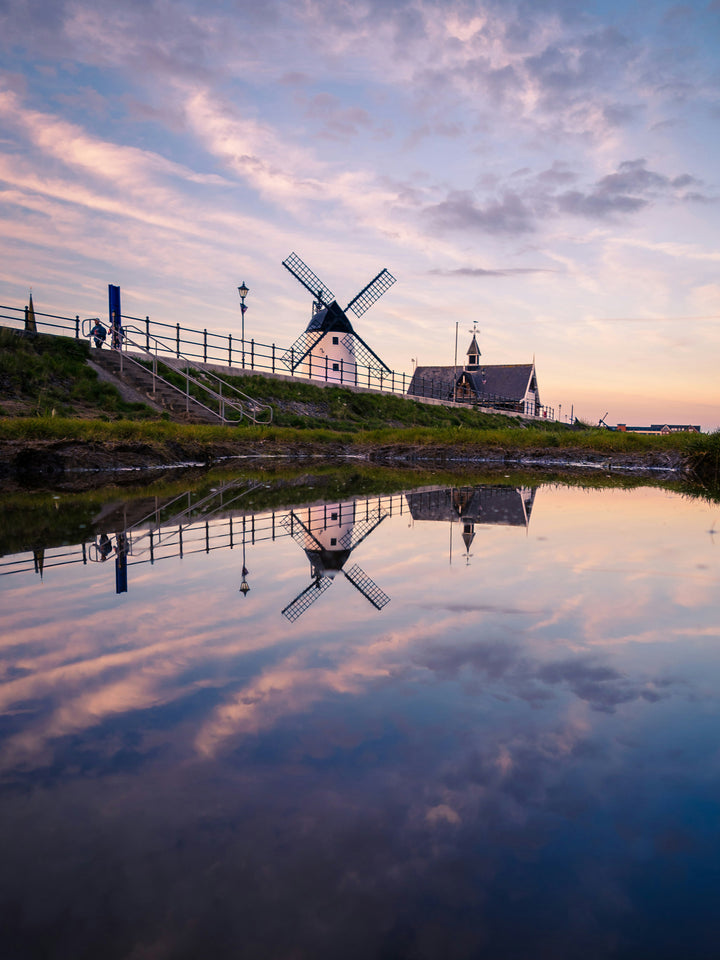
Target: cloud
pixel 500 272
pixel 460 211
pixel 537 198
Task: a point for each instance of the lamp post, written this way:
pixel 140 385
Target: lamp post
pixel 455 384
pixel 243 291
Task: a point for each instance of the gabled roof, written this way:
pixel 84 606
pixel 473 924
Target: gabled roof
pixel 435 382
pixel 508 380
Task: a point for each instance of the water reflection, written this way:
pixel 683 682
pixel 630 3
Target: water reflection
pixel 328 534
pixel 513 757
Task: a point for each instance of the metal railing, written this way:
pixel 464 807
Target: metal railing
pixel 249 356
pixel 226 397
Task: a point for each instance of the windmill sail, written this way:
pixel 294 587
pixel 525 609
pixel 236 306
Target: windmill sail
pixel 293 357
pixel 302 272
pixel 297 607
pixel 367 587
pixel 361 529
pixel 370 293
pixel 363 354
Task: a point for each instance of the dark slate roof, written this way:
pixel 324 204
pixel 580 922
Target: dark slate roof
pixel 497 505
pixel 509 381
pixel 330 318
pixel 437 382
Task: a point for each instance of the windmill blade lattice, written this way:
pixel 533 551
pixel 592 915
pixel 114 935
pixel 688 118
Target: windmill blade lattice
pixel 367 587
pixel 302 272
pixel 297 607
pixel 370 293
pixel 300 533
pixel 293 357
pixel 361 529
pixel 363 354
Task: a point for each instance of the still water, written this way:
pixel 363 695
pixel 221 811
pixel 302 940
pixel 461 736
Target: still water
pixel 457 722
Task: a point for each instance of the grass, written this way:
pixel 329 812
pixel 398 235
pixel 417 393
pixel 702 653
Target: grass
pixel 51 376
pixel 53 372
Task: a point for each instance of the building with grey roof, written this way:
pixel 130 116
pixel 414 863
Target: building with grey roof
pixel 504 386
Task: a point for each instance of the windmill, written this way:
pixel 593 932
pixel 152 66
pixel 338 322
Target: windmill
pixel 330 348
pixel 328 535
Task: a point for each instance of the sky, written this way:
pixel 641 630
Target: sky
pixel 546 170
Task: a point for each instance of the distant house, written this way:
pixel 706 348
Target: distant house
pixel 660 429
pixel 508 386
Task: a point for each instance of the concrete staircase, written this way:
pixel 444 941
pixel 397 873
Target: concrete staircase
pixel 136 383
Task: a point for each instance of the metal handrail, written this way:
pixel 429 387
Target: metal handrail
pixel 239 406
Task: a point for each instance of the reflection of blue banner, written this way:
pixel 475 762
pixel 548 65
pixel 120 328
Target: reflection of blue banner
pixel 114 305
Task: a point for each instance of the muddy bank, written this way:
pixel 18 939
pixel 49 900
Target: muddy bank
pixel 80 465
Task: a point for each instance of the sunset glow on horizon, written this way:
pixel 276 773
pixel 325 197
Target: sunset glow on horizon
pixel 547 170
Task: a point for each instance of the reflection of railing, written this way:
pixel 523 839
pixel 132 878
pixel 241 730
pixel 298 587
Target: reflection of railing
pixel 170 537
pixel 203 346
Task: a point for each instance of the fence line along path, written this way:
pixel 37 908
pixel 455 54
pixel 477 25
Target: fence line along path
pixel 168 341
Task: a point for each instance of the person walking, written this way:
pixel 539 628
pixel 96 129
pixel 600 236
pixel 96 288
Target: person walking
pixel 98 333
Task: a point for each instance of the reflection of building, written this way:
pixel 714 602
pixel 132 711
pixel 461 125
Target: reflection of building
pixel 469 506
pixel 328 533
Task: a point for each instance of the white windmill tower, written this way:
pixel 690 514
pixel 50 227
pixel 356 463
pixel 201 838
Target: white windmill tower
pixel 330 349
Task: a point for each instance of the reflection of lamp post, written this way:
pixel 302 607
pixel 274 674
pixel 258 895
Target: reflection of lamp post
pixel 243 291
pixel 244 586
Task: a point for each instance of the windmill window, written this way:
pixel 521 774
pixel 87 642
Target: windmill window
pixel 333 516
pixel 336 340
pixel 336 366
pixel 333 541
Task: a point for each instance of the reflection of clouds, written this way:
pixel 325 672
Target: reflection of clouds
pixel 505 666
pixel 521 634
pixel 450 766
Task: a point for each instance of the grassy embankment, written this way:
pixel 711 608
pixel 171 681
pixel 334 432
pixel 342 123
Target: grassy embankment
pixel 47 392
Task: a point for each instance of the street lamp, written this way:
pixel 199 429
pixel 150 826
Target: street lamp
pixel 243 291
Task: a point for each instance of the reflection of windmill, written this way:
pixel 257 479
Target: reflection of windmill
pixel 330 348
pixel 328 536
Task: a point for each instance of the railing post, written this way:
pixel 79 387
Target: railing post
pixel 403 390
pixel 77 327
pixel 229 349
pixel 368 376
pixel 177 340
pixel 341 369
pixel 252 354
pixel 392 382
pixel 205 345
pixel 273 358
pixel 326 368
pixel 292 361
